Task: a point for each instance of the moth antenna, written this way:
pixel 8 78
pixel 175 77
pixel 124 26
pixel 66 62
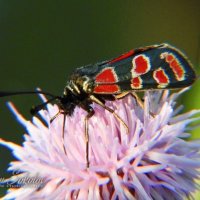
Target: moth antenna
pixel 13 93
pixel 36 109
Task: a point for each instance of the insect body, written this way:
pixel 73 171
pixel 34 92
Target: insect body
pixel 153 67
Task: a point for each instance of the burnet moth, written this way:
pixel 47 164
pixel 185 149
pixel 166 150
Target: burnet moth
pixel 149 68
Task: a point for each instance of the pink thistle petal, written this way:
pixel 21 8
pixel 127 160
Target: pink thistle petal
pixel 152 161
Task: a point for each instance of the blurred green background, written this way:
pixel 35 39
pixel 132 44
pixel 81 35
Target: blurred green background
pixel 41 42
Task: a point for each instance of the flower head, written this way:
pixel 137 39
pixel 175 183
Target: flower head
pixel 152 161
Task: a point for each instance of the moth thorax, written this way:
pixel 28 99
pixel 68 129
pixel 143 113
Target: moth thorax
pixel 71 87
pixel 87 84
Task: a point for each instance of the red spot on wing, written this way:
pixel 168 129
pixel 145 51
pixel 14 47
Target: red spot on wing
pixel 161 78
pixel 175 65
pixel 160 75
pixel 124 56
pixel 136 83
pixel 101 89
pixel 177 69
pixel 169 58
pixel 107 75
pixel 141 65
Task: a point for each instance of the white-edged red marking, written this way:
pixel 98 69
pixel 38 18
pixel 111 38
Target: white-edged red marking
pixel 161 78
pixel 106 89
pixel 105 82
pixel 174 64
pixel 141 65
pixel 136 83
pixel 107 75
pixel 123 56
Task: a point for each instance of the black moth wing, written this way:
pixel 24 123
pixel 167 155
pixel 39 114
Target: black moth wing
pixel 121 71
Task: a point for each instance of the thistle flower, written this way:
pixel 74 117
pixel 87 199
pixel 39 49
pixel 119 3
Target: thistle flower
pixel 152 161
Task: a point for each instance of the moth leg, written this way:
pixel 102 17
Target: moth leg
pixel 140 102
pixel 134 95
pixel 138 99
pixel 63 129
pixel 55 116
pixel 96 100
pixel 88 116
pixel 122 95
pixel 63 133
pixel 91 112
